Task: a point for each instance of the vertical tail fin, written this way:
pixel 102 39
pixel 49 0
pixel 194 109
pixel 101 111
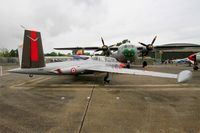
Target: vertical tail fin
pixel 32 54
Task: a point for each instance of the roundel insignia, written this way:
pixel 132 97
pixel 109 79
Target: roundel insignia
pixel 73 70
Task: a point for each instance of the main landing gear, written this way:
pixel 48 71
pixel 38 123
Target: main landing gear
pixel 30 75
pixel 144 64
pixel 195 68
pixel 107 78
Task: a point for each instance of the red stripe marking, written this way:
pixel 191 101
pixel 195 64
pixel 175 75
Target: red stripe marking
pixel 34 47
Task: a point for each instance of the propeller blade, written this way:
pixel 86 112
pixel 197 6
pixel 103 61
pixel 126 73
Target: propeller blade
pixel 102 41
pixel 142 44
pixel 153 40
pixel 111 45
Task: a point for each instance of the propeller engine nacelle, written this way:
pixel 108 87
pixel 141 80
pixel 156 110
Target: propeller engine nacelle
pixel 148 47
pixel 104 48
pixel 145 52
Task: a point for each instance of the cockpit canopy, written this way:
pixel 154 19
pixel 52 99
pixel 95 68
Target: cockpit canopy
pixel 127 45
pixel 104 59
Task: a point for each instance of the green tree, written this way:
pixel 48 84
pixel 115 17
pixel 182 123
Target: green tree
pixel 51 54
pixel 69 54
pixel 74 51
pixel 60 54
pixel 125 41
pixel 13 53
pixel 87 53
pixel 5 52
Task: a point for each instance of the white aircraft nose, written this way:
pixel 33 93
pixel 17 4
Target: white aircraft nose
pixel 184 76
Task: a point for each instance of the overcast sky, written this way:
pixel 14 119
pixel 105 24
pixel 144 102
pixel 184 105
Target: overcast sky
pixel 67 23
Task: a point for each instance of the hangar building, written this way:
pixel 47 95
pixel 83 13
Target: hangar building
pixel 174 53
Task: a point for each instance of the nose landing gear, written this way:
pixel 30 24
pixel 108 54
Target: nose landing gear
pixel 128 65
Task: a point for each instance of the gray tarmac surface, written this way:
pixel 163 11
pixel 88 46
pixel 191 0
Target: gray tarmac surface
pixel 83 104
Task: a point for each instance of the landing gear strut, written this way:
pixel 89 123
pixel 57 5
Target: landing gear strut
pixel 107 78
pixel 128 65
pixel 195 67
pixel 30 75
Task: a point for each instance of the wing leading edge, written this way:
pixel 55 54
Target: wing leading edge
pixel 181 77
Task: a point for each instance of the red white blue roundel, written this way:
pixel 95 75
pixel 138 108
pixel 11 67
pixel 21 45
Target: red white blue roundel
pixel 73 70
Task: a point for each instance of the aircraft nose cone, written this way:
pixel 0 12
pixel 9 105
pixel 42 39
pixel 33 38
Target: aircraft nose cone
pixel 129 52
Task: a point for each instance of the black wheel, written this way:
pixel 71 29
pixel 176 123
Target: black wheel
pixel 144 64
pixel 195 68
pixel 128 66
pixel 30 75
pixel 106 79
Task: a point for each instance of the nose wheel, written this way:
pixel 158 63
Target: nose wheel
pixel 128 65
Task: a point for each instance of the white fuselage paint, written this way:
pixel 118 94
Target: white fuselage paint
pixel 69 67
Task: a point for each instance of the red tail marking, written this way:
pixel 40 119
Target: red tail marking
pixel 34 47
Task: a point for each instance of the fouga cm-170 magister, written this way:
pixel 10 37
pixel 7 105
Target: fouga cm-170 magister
pixel 32 63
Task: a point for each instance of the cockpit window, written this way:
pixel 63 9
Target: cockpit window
pixel 104 59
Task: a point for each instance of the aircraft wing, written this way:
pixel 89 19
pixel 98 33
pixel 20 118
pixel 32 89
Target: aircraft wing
pixel 77 48
pixel 170 47
pixel 176 46
pixel 181 77
pixel 85 48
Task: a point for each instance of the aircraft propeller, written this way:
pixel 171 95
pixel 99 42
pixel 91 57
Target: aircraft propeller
pixel 104 48
pixel 149 47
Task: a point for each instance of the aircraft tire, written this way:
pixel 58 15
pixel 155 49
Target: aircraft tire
pixel 144 64
pixel 128 66
pixel 30 75
pixel 195 68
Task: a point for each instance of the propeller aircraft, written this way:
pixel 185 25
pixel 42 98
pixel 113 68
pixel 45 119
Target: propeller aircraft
pixel 32 63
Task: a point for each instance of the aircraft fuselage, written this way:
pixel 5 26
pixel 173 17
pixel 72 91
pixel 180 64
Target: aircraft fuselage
pixel 126 53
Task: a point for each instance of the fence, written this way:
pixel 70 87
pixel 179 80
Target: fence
pixel 5 60
pixel 1 71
